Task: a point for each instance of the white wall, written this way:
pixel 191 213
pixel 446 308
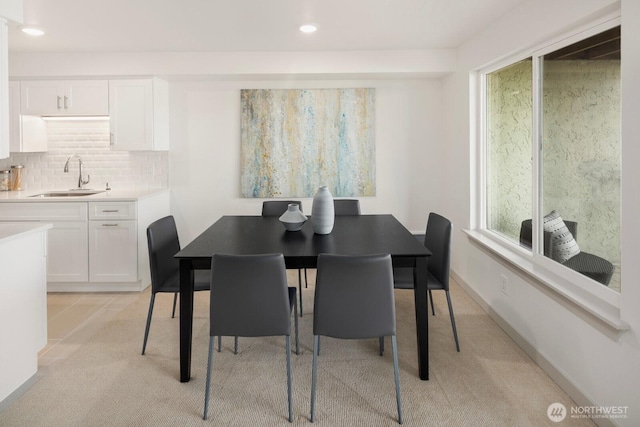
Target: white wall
pixel 205 150
pixel 598 363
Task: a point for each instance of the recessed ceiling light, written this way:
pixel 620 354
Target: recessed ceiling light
pixel 308 28
pixel 31 30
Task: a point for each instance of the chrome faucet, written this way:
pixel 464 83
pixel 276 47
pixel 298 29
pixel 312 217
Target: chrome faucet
pixel 81 180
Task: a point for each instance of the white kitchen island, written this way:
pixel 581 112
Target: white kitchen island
pixel 23 302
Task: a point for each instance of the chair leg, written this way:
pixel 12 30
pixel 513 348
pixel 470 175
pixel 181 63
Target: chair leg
pixel 146 330
pixel 381 339
pixel 314 375
pixel 394 347
pixel 433 312
pixel 219 343
pixel 300 289
pixel 295 316
pixel 453 321
pixel 175 299
pixel 306 283
pixel 208 383
pixel 235 345
pixel 289 398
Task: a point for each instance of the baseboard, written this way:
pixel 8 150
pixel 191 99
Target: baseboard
pixel 96 286
pixel 555 374
pixel 17 393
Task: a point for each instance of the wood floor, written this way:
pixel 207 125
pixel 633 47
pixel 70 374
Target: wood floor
pixel 72 318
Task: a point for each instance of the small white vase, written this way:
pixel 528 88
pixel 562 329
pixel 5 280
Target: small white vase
pixel 292 218
pixel 322 212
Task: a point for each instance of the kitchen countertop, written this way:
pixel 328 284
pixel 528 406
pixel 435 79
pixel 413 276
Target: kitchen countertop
pixel 103 196
pixel 11 230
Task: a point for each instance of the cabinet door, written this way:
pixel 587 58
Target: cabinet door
pixel 64 98
pixel 27 134
pixel 67 259
pixel 86 98
pixel 139 111
pixel 14 117
pixel 113 251
pixel 4 88
pixel 131 114
pixel 44 97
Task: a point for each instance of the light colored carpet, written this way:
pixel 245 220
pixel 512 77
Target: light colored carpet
pixel 106 382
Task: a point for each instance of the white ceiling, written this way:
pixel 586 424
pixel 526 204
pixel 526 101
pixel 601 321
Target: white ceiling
pixel 251 25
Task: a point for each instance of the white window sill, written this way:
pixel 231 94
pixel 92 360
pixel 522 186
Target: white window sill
pixel 599 301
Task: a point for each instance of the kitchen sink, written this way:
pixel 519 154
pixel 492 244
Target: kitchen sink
pixel 70 193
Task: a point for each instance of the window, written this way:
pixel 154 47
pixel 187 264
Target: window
pixel 552 155
pixel 509 138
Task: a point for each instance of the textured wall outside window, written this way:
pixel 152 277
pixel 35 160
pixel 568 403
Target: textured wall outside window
pixel 509 164
pixel 581 160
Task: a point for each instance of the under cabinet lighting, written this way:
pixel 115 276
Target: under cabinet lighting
pixel 74 118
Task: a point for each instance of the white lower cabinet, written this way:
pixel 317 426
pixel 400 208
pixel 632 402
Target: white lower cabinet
pixel 113 242
pixel 68 258
pixel 113 253
pixel 94 246
pixel 67 240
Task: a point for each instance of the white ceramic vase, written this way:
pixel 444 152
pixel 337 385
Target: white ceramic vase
pixel 322 213
pixel 292 218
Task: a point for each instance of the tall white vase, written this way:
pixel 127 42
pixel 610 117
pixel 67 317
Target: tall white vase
pixel 322 212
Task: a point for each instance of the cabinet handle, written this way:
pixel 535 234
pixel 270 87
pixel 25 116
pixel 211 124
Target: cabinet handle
pixel 110 210
pixel 59 99
pixel 109 225
pixel 111 139
pixel 65 103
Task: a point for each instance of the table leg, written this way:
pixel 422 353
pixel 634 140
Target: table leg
pixel 422 316
pixel 186 318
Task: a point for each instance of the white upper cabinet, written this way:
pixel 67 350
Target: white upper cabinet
pixel 139 114
pixel 27 134
pixel 4 89
pixel 64 98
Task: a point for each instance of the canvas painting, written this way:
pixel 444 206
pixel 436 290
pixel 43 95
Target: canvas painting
pixel 296 140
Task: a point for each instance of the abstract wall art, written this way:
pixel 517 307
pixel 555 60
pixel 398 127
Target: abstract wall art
pixel 295 140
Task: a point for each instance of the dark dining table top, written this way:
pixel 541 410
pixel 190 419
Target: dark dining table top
pixel 351 235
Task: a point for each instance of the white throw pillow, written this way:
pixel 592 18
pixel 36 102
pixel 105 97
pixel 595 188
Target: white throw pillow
pixel 563 245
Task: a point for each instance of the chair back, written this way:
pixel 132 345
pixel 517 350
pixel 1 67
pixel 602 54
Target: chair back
pixel 278 207
pixel 163 244
pixel 249 296
pixel 346 206
pixel 438 240
pixel 354 296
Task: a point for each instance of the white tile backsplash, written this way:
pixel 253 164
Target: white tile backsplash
pixel 90 141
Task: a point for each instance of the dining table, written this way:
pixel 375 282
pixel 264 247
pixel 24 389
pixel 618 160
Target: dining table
pixel 351 235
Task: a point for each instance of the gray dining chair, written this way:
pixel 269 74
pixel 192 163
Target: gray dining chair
pixel 277 208
pixel 346 206
pixel 354 300
pixel 163 244
pixel 438 240
pixel 250 298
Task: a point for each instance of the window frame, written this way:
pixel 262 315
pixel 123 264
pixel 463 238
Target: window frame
pixel 602 302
